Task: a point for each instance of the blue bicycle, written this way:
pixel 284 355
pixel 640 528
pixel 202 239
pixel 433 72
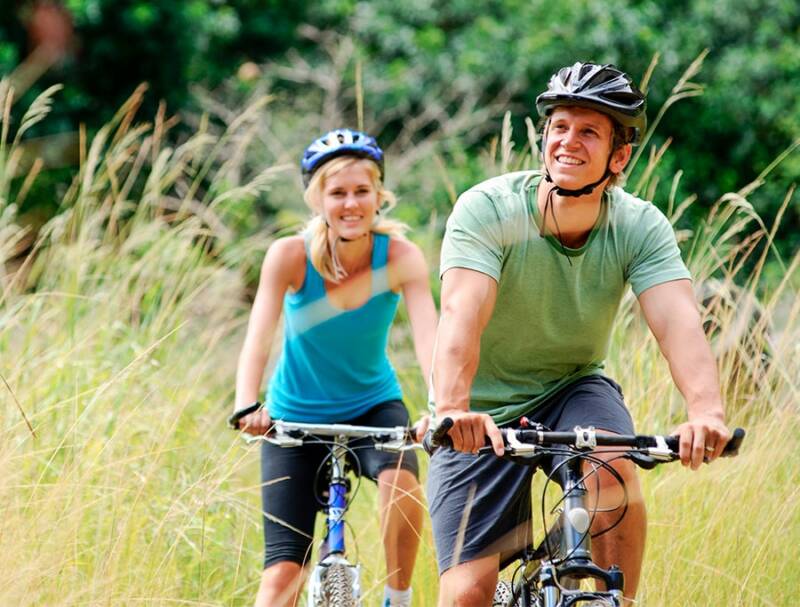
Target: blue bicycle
pixel 335 580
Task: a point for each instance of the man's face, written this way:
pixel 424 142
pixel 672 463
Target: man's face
pixel 578 144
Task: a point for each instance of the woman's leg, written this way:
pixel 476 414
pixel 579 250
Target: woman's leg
pixel 281 585
pixel 289 488
pixel 401 523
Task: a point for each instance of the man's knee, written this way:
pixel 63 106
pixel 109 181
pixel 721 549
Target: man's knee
pixel 399 487
pixel 605 483
pixel 467 595
pixel 470 584
pixel 397 477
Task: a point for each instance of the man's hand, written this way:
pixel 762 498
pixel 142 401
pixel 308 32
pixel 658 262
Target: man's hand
pixel 702 438
pixel 470 430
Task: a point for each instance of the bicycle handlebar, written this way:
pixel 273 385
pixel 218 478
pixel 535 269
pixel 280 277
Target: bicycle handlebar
pixel 649 450
pixel 294 434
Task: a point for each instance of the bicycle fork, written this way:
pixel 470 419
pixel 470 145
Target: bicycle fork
pixel 559 579
pixel 332 551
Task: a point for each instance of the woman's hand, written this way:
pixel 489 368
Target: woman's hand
pixel 256 423
pixel 421 427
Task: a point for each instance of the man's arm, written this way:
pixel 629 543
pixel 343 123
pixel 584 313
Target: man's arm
pixel 468 299
pixel 671 313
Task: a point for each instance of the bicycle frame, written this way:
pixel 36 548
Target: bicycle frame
pixel 555 578
pixel 332 555
pixel 332 550
pixel 559 578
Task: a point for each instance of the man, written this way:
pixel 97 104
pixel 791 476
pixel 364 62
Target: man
pixel 533 270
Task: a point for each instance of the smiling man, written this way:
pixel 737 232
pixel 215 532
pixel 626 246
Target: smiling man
pixel 534 266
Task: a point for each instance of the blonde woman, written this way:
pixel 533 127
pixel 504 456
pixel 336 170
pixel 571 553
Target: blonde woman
pixel 338 284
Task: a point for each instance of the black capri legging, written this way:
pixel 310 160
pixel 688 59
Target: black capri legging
pixel 290 491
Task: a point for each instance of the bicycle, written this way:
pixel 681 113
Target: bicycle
pixel 334 580
pixel 550 574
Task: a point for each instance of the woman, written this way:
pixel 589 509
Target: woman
pixel 338 284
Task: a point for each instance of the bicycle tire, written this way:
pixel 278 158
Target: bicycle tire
pixel 503 594
pixel 337 587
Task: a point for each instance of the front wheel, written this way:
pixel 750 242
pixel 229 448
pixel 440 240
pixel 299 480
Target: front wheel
pixel 339 587
pixel 503 595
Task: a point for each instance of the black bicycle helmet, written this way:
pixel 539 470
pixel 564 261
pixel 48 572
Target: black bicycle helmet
pixel 339 142
pixel 598 87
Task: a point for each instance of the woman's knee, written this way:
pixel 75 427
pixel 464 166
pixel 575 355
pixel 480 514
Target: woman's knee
pixel 281 575
pixel 281 584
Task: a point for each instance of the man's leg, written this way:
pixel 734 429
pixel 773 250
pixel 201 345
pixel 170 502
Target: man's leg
pixel 597 401
pixel 624 544
pixel 470 584
pixel 401 523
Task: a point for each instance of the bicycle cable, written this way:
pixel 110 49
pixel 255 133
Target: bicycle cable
pixel 351 461
pixel 599 464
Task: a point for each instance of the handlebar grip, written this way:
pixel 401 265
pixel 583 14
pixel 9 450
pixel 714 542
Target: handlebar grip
pixel 233 420
pixel 438 438
pixel 730 450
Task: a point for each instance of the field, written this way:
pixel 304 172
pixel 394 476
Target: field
pixel 119 331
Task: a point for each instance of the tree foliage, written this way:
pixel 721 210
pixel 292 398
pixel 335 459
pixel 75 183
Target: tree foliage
pixel 426 65
pixel 170 45
pixel 748 115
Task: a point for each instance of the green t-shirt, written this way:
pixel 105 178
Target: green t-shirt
pixel 552 319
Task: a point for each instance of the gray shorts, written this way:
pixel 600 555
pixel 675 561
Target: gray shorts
pixel 482 505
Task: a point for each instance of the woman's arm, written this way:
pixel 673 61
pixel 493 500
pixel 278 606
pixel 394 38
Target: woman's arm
pixel 283 267
pixel 409 274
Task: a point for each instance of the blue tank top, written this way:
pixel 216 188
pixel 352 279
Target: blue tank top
pixel 334 365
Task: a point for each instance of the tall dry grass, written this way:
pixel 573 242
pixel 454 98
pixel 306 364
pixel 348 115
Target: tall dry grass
pixel 119 333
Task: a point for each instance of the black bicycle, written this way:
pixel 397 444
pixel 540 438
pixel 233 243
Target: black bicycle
pixel 549 574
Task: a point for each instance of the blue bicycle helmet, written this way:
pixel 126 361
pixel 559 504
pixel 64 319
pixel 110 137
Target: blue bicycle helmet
pixel 339 142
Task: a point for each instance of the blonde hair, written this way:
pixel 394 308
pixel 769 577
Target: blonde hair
pixel 321 250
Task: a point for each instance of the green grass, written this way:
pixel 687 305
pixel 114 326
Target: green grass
pixel 119 334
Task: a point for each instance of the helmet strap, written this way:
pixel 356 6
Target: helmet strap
pixel 587 189
pixel 338 268
pixel 548 207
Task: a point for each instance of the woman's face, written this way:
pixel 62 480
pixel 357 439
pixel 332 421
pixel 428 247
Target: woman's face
pixel 350 201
